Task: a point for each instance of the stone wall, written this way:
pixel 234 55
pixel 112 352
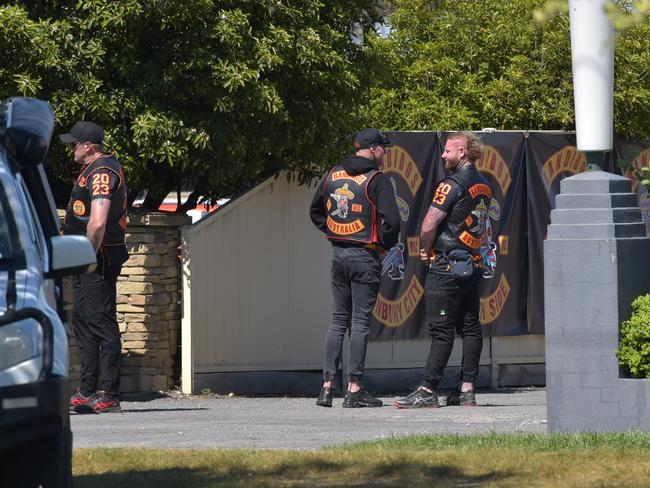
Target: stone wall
pixel 148 304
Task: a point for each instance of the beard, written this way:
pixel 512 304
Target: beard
pixel 451 165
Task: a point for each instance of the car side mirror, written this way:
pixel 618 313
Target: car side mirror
pixel 71 255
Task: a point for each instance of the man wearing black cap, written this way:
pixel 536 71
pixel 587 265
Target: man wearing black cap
pixel 97 209
pixel 354 206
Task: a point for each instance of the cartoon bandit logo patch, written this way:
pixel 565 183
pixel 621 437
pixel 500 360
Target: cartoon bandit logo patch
pixel 342 196
pixel 78 207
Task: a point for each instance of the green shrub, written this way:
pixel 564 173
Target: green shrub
pixel 634 346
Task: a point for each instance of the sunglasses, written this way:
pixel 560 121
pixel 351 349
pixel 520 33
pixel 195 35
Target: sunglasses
pixel 74 145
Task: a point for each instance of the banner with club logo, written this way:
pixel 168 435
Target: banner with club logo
pixel 550 157
pixel 503 296
pixel 413 166
pixel 399 312
pixel 524 170
pixel 634 156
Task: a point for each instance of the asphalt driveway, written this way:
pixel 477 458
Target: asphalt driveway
pixel 211 421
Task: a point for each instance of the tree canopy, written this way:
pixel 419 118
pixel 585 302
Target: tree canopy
pixel 463 64
pixel 212 93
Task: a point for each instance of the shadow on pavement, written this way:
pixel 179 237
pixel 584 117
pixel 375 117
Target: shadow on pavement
pixel 140 410
pixel 301 474
pixel 145 410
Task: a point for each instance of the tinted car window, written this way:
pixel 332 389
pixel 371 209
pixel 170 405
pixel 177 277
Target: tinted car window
pixel 7 249
pixel 33 223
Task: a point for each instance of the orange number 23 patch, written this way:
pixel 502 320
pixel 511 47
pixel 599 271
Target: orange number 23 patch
pixel 100 184
pixel 441 193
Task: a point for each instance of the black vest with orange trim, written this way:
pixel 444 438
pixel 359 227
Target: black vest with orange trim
pixel 77 214
pixel 466 223
pixel 351 215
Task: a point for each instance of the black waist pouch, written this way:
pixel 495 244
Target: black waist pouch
pixel 461 264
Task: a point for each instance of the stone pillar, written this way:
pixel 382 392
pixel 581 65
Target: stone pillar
pixel 148 303
pixel 596 261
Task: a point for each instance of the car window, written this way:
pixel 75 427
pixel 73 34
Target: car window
pixel 34 224
pixel 7 243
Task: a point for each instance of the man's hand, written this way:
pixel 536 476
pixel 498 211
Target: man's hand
pixel 424 257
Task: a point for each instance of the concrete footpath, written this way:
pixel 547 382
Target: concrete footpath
pixel 200 422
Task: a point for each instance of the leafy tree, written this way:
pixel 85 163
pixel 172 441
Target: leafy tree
pixel 462 64
pixel 627 13
pixel 622 13
pixel 213 93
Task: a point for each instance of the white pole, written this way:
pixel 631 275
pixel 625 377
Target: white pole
pixel 592 56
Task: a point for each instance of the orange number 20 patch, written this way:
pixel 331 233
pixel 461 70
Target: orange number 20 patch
pixel 100 184
pixel 441 193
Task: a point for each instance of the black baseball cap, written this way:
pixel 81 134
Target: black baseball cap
pixel 84 131
pixel 371 137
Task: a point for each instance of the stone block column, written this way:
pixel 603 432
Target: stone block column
pixel 596 261
pixel 148 303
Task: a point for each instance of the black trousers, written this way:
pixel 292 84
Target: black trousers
pixel 452 308
pixel 95 323
pixel 356 272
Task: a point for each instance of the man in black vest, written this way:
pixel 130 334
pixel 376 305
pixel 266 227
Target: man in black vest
pixel 355 207
pixel 452 234
pixel 97 209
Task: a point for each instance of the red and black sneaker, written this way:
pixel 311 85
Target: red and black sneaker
pixel 79 399
pixel 104 402
pixel 101 402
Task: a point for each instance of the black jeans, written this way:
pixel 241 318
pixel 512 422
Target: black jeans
pixel 452 307
pixel 95 323
pixel 355 283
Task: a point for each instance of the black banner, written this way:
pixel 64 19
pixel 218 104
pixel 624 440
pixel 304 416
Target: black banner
pixel 550 157
pixel 634 156
pixel 399 312
pixel 412 164
pixel 525 170
pixel 503 297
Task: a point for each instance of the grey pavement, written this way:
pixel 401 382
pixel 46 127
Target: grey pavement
pixel 200 422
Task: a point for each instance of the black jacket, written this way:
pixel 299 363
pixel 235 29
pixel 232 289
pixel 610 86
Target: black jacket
pixel 380 191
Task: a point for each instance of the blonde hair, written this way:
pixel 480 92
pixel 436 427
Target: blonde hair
pixel 473 144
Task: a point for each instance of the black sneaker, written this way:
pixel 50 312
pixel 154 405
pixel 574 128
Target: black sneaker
pixel 325 397
pixel 420 398
pixel 463 399
pixel 361 399
pixel 101 402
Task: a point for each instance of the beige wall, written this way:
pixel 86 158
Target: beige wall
pixel 256 293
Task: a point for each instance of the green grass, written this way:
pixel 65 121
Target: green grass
pixel 511 460
pixel 531 442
